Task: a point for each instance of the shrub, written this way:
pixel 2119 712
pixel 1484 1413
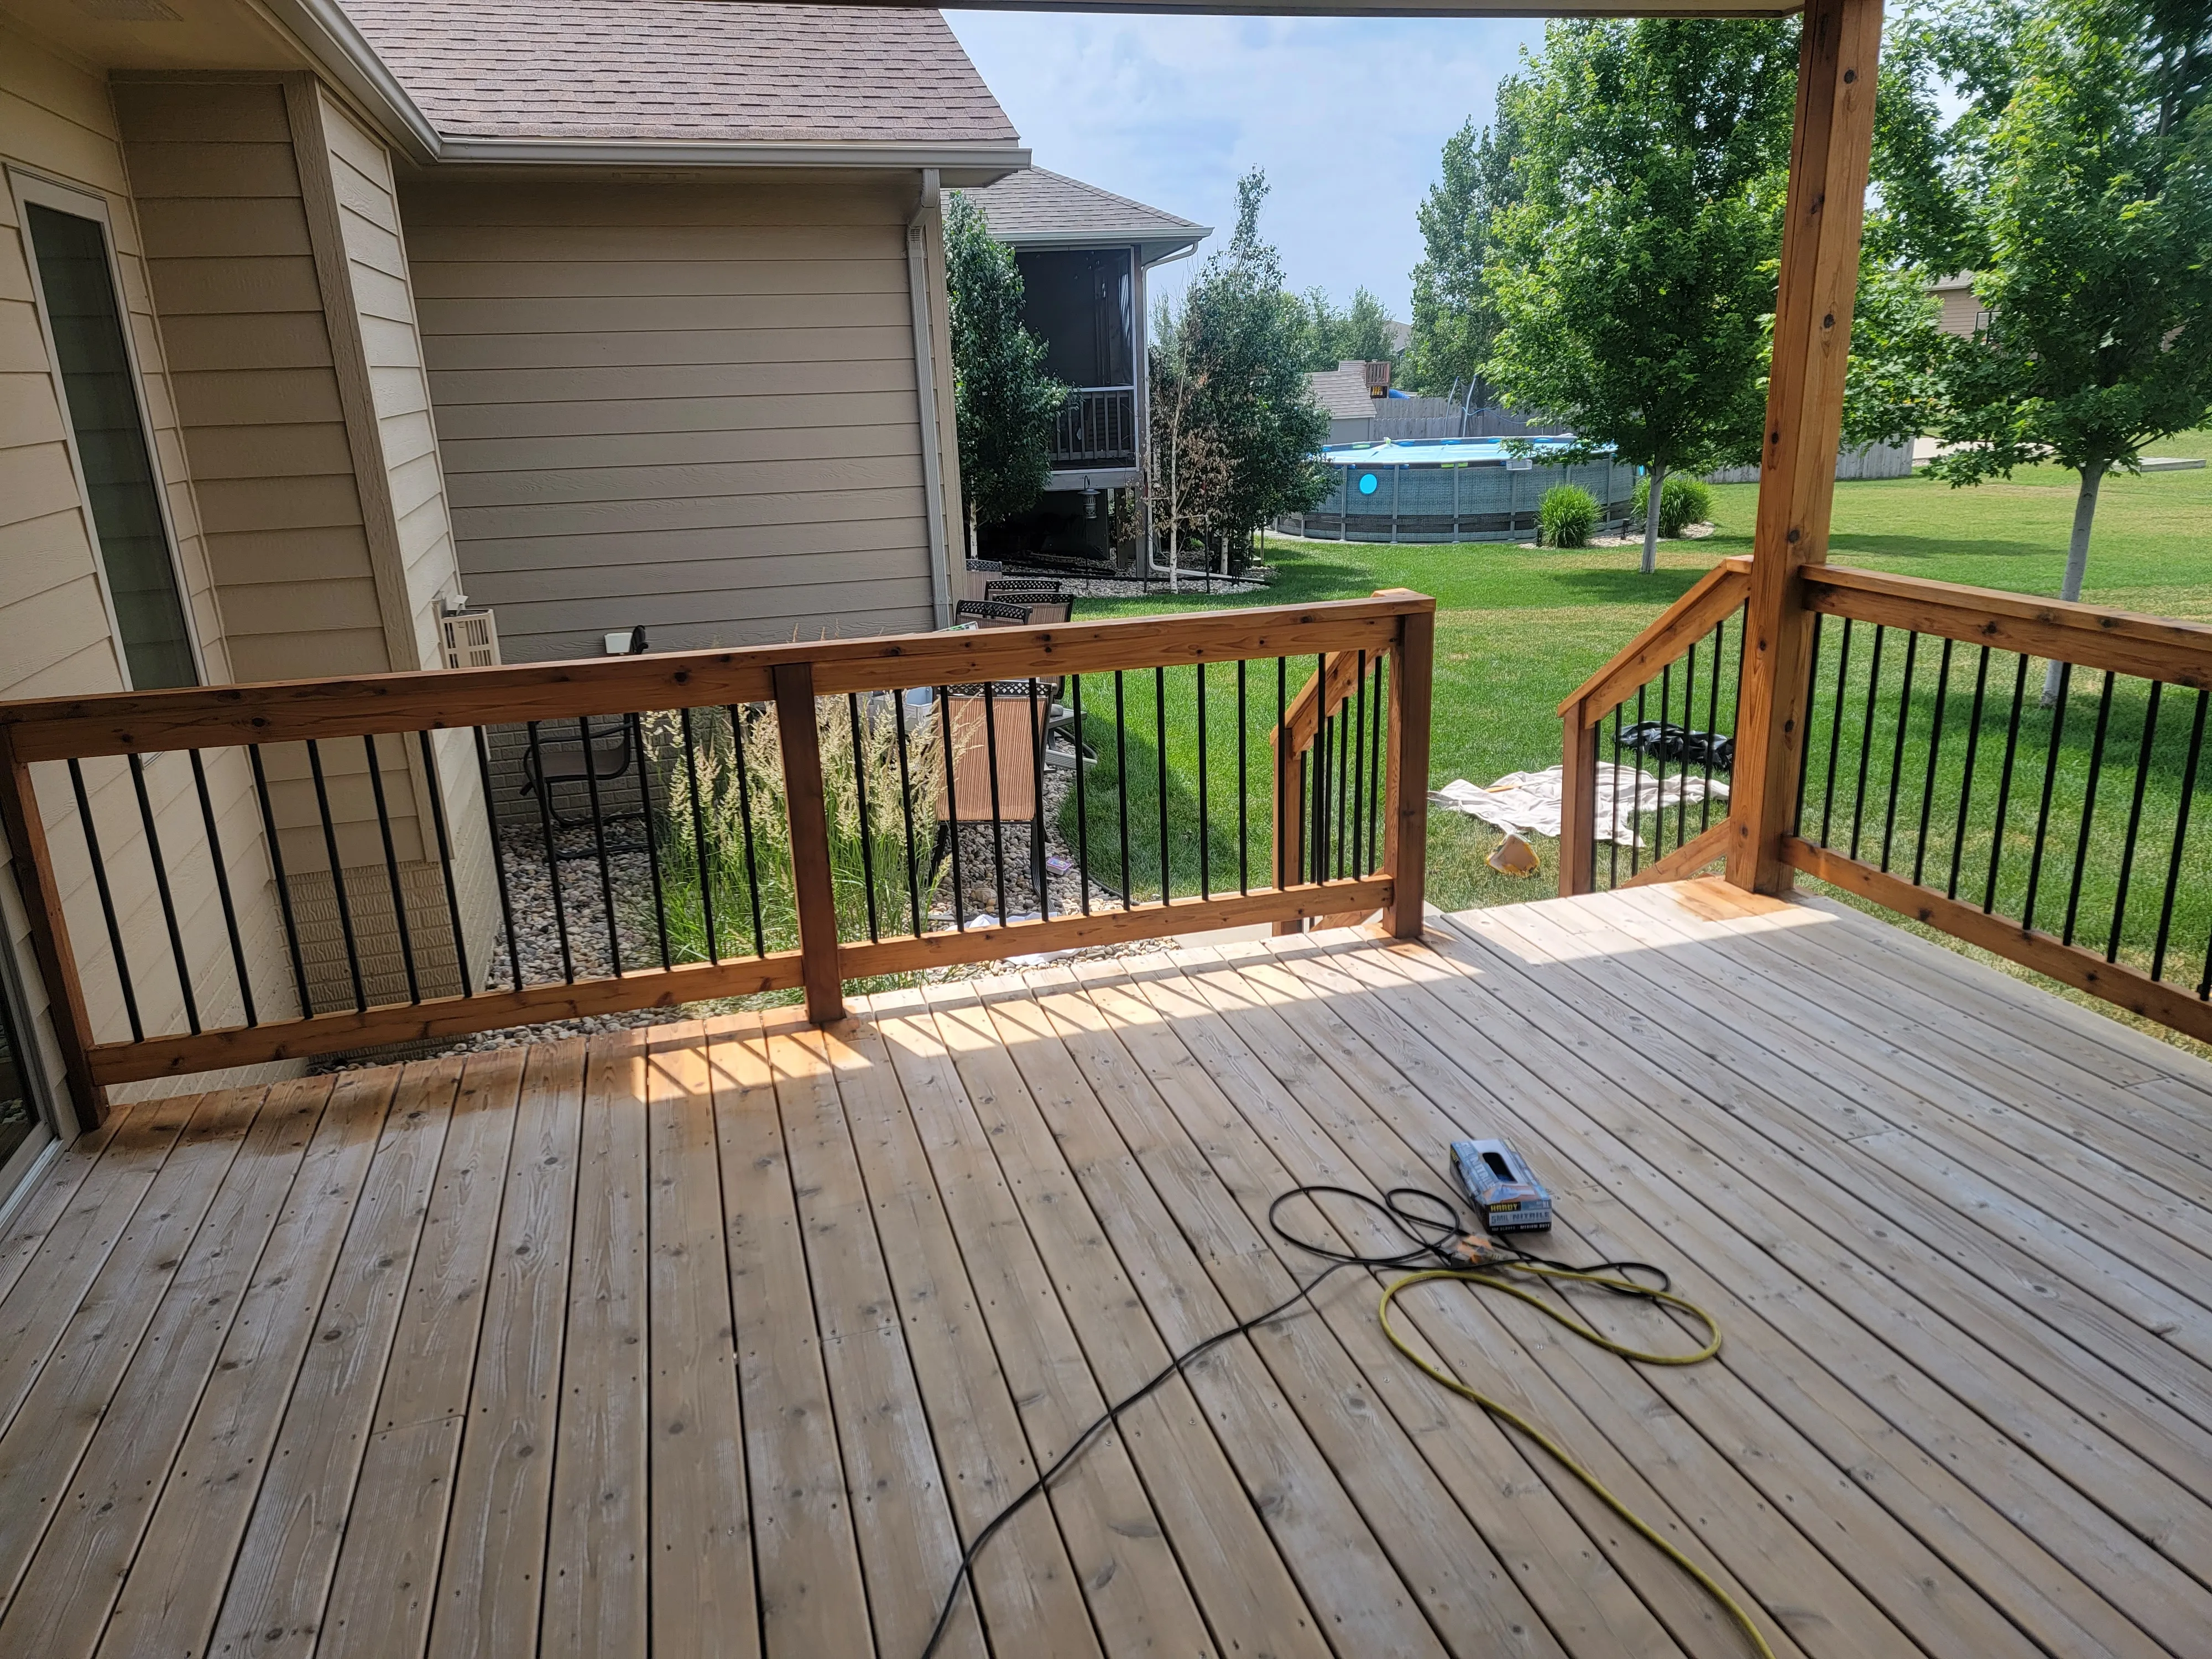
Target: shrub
pixel 1682 502
pixel 1567 517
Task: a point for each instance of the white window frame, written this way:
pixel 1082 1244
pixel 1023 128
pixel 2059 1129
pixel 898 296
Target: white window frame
pixel 29 187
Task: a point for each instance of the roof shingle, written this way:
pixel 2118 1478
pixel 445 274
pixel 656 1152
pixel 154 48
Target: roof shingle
pixel 707 69
pixel 1035 202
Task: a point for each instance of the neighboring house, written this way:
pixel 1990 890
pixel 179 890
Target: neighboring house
pixel 306 330
pixel 1962 312
pixel 1084 254
pixel 1350 392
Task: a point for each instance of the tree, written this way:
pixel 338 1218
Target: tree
pixel 1004 401
pixel 1633 278
pixel 1455 319
pixel 1234 426
pixel 2076 183
pixel 1327 336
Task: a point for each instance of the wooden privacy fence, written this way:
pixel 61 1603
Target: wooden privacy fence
pixel 240 874
pixel 2019 773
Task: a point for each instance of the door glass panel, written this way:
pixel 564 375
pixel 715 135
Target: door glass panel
pixel 19 1112
pixel 82 308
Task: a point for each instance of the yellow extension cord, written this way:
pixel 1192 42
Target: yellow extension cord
pixel 1488 1276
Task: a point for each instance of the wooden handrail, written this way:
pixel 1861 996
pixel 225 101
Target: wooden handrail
pixel 1668 637
pixel 1397 625
pixel 2087 635
pixel 128 722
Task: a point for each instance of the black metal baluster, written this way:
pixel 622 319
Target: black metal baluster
pixel 392 870
pixel 544 792
pixel 498 857
pixel 652 835
pixel 1345 799
pixel 1380 766
pixel 2180 838
pixel 1897 754
pixel 1243 809
pixel 1286 876
pixel 1835 732
pixel 905 810
pixel 283 885
pixel 861 787
pixel 2089 805
pixel 1361 852
pixel 1205 860
pixel 2004 785
pixel 1122 773
pixel 1966 779
pixel 1612 799
pixel 600 843
pixel 1160 757
pixel 1038 873
pixel 337 877
pixel 1935 754
pixel 2050 782
pixel 1082 800
pixel 1658 751
pixel 434 788
pixel 1319 752
pixel 952 809
pixel 222 888
pixel 161 888
pixel 2135 824
pixel 997 830
pixel 1866 738
pixel 1690 714
pixel 698 835
pixel 1713 719
pixel 1635 800
pixel 745 818
pixel 108 902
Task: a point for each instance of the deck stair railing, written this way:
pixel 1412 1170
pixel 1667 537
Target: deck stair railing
pixel 1648 741
pixel 234 875
pixel 2019 773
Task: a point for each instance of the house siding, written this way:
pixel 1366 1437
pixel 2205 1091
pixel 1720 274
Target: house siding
pixel 272 232
pixel 690 406
pixel 58 122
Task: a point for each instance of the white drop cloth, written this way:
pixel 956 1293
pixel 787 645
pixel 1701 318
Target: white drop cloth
pixel 1528 803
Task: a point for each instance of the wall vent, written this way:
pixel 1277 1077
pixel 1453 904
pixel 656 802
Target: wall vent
pixel 471 638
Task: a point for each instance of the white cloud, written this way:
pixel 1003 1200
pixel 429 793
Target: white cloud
pixel 1347 116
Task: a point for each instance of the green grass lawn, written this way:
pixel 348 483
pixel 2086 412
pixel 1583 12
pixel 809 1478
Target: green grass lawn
pixel 1519 628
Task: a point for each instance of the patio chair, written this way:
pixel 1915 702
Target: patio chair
pixel 551 761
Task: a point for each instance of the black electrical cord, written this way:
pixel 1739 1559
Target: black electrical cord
pixel 1429 1238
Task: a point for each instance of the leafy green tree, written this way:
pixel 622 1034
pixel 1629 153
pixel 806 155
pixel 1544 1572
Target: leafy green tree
pixel 1454 317
pixel 1634 278
pixel 2076 183
pixel 1003 400
pixel 1327 336
pixel 1234 426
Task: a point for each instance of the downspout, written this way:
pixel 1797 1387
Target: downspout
pixel 925 379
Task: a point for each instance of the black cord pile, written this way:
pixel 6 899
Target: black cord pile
pixel 1429 1239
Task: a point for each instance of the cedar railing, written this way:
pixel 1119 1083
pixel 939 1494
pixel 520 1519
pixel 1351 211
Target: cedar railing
pixel 2018 772
pixel 754 821
pixel 1671 695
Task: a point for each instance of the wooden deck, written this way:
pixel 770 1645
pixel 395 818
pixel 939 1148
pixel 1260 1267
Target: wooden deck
pixel 720 1339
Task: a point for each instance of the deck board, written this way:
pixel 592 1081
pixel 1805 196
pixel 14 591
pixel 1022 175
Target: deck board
pixel 725 1337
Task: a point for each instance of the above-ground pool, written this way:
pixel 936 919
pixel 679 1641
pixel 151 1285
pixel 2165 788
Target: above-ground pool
pixel 1451 490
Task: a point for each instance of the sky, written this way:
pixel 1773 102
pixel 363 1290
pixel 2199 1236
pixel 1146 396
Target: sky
pixel 1348 118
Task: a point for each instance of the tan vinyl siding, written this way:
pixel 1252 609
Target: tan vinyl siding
pixel 687 406
pixel 58 121
pixel 313 472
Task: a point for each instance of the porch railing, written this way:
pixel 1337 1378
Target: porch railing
pixel 240 874
pixel 2018 772
pixel 1097 427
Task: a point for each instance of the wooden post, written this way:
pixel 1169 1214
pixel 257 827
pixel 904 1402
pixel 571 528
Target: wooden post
pixel 816 900
pixel 1828 161
pixel 1405 843
pixel 1577 802
pixel 42 905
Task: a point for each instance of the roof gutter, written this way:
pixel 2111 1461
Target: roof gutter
pixel 330 37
